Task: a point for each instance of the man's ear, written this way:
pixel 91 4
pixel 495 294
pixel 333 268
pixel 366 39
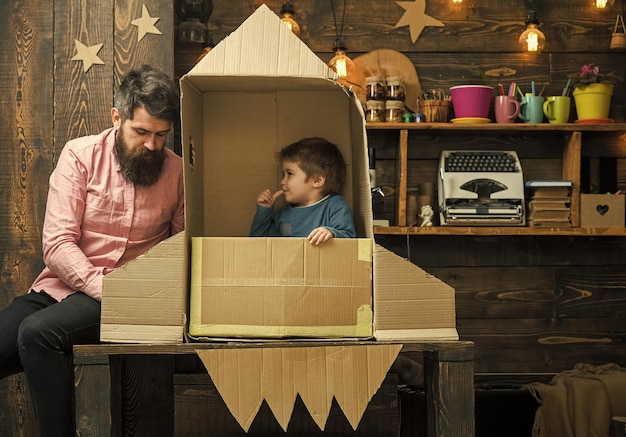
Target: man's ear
pixel 318 181
pixel 116 118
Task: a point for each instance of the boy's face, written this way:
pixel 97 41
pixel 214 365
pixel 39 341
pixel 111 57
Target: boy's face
pixel 299 189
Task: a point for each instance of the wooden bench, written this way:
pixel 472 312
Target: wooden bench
pixel 116 398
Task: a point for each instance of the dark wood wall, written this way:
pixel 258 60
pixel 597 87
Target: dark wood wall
pixel 519 298
pixel 45 100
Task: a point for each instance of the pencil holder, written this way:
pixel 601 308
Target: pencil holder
pixel 435 110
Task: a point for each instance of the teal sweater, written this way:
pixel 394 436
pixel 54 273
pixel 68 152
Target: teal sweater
pixel 332 212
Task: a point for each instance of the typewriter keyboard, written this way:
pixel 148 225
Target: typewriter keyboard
pixel 481 161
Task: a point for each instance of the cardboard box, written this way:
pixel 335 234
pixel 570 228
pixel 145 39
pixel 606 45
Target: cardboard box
pixel 259 89
pixel 280 287
pixel 601 211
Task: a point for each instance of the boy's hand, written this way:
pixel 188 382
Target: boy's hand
pixel 319 236
pixel 266 199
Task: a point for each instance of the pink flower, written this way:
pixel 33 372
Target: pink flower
pixel 589 73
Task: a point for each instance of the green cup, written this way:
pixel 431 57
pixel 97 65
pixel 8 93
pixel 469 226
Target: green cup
pixel 557 108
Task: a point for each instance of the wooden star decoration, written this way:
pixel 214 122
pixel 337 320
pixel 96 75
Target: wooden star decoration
pixel 89 55
pixel 415 17
pixel 145 24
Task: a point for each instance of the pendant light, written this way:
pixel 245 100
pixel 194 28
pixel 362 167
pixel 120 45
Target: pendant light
pixel 532 39
pixel 194 15
pixel 287 12
pixel 602 4
pixel 340 63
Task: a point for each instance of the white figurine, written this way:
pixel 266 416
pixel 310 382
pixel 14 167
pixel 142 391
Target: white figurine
pixel 426 214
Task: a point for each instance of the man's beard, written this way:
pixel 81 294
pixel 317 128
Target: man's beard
pixel 140 166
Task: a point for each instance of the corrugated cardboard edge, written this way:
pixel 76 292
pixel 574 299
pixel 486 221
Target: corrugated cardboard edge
pixel 164 292
pixel 409 303
pixel 350 374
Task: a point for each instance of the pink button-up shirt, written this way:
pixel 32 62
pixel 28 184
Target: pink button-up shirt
pixel 96 221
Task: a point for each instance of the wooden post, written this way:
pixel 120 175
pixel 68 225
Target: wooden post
pixel 449 385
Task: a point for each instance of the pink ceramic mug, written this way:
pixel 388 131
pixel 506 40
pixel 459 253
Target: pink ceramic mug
pixel 506 109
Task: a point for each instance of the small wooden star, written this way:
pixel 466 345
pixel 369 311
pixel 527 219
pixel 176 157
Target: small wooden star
pixel 415 17
pixel 145 24
pixel 89 55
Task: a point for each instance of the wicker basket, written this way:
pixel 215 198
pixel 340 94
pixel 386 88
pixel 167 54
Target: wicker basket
pixel 435 110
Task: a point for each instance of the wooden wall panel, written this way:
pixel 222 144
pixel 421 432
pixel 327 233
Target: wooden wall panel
pixel 47 99
pixel 26 120
pixel 531 304
pixel 474 25
pixel 152 49
pixel 543 345
pixel 83 99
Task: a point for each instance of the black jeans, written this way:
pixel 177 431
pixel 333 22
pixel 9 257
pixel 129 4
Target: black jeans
pixel 36 336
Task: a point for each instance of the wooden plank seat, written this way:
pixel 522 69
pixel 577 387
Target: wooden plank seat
pixel 127 389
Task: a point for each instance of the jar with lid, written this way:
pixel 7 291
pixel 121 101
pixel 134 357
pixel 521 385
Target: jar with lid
pixel 374 111
pixel 394 110
pixel 374 88
pixel 395 88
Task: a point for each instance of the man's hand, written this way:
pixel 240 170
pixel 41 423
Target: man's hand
pixel 266 199
pixel 319 236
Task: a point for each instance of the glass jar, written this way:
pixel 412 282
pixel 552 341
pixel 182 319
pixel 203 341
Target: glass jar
pixel 394 110
pixel 374 111
pixel 395 88
pixel 374 88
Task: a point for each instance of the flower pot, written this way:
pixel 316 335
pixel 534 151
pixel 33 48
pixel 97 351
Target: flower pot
pixel 471 100
pixel 593 100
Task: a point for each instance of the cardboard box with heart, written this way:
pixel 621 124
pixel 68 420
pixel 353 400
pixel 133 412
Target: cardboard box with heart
pixel 601 211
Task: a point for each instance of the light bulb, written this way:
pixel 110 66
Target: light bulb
pixel 532 39
pixel 602 4
pixel 341 63
pixel 457 1
pixel 287 12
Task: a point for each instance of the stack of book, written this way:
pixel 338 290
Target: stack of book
pixel 549 203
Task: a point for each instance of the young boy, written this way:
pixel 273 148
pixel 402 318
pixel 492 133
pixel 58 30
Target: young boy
pixel 313 172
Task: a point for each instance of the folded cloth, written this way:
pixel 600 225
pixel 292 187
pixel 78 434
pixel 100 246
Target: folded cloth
pixel 580 402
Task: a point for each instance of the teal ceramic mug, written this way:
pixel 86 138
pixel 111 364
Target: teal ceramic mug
pixel 531 109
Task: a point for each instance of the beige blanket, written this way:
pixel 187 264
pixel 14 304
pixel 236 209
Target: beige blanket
pixel 580 402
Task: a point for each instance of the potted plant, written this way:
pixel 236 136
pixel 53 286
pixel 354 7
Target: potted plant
pixel 592 94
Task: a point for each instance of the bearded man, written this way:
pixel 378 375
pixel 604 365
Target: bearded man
pixel 111 197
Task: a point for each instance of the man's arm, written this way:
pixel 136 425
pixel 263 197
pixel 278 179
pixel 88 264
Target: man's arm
pixel 62 227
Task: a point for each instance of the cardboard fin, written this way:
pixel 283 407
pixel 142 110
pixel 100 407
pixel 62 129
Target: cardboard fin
pixel 410 301
pixel 355 383
pixel 153 283
pixel 245 377
pixel 279 390
pixel 237 375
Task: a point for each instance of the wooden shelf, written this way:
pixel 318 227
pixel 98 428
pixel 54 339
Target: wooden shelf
pixel 501 127
pixel 572 134
pixel 498 230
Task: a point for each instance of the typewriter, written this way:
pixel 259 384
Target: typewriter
pixel 481 187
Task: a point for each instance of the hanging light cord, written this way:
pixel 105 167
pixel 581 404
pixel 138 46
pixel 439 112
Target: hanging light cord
pixel 339 31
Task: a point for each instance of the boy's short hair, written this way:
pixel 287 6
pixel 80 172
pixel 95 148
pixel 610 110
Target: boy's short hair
pixel 318 156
